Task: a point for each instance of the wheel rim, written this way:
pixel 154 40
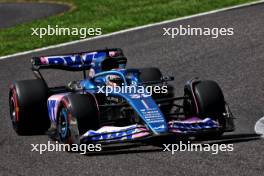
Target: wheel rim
pixel 63 123
pixel 13 108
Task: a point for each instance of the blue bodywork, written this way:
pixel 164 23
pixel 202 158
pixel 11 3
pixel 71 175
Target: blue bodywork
pixel 142 103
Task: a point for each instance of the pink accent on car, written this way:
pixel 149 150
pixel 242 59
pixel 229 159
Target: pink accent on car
pixel 44 60
pixel 57 98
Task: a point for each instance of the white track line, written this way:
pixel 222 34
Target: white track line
pixel 130 29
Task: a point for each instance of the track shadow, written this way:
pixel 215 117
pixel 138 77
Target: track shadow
pixel 122 151
pixel 235 138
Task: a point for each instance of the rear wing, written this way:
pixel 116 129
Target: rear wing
pixel 75 61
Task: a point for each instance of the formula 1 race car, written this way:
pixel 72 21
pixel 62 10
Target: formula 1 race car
pixel 85 111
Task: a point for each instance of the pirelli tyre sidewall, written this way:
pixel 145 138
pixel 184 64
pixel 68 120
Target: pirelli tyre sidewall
pixel 77 113
pixel 28 107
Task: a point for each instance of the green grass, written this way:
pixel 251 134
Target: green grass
pixel 110 15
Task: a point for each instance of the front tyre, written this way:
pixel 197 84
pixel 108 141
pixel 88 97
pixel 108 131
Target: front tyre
pixel 205 99
pixel 77 114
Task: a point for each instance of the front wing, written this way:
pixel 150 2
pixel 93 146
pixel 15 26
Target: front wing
pixel 109 134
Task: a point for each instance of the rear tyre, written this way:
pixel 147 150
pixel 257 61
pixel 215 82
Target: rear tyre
pixel 150 74
pixel 77 114
pixel 206 100
pixel 153 74
pixel 28 107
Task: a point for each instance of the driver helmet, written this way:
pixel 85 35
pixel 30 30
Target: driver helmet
pixel 114 80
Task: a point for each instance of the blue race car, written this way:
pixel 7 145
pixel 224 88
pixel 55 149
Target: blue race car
pixel 112 103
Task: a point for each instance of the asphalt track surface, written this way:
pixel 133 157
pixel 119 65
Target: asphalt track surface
pixel 16 13
pixel 235 62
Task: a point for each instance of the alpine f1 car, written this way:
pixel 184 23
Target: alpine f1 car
pixel 80 113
